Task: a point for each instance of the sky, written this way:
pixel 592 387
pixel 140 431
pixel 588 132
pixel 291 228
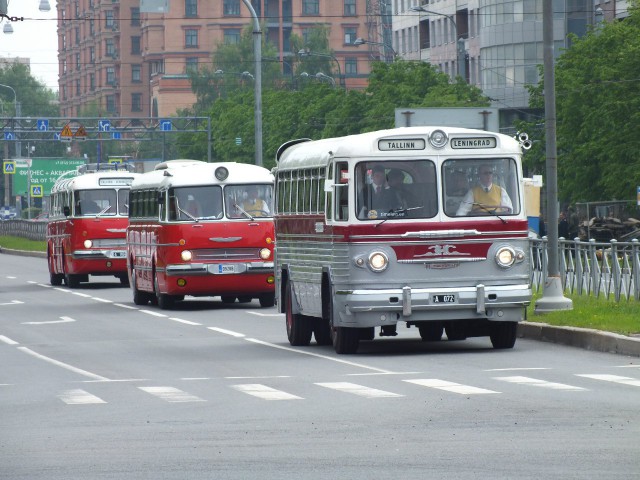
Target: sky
pixel 35 38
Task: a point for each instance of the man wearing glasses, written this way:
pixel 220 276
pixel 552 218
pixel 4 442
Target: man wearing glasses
pixel 485 198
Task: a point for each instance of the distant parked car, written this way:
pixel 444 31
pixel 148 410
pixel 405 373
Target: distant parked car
pixel 7 213
pixel 43 217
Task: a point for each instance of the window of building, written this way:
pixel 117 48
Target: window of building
pixel 92 81
pixel 136 73
pixel 191 38
pixel 231 36
pixel 92 27
pixel 109 47
pixel 111 103
pixel 350 66
pixel 190 8
pixel 349 8
pixel 64 66
pixel 310 7
pixel 191 64
pixel 78 87
pixel 231 7
pixel 111 75
pixel 77 31
pixel 135 17
pixel 135 45
pixel 136 102
pixel 108 19
pixel 77 61
pixel 350 35
pixel 92 54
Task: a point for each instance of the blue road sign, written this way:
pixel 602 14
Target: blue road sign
pixel 9 167
pixel 36 190
pixel 165 125
pixel 43 124
pixel 56 136
pixel 104 125
pixel 116 135
pixel 8 135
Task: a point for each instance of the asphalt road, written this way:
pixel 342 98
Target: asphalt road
pixel 94 387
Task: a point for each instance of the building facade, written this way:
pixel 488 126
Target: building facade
pixel 131 58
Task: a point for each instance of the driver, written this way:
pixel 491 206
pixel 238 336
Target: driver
pixel 486 196
pixel 254 205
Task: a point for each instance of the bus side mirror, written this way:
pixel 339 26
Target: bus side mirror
pixel 328 186
pixel 66 210
pixel 160 198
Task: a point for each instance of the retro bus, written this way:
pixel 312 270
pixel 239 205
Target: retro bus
pixel 88 217
pixel 201 229
pixel 433 249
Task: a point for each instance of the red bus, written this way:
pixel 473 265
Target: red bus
pixel 88 217
pixel 201 229
pixel 422 226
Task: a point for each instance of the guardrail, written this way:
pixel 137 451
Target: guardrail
pixel 24 229
pixel 610 269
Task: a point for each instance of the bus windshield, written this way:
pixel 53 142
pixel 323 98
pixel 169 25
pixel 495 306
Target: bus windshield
pixel 195 203
pixel 480 187
pixel 248 201
pixel 96 202
pixel 396 189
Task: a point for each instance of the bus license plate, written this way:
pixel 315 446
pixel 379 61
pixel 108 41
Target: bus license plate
pixel 222 269
pixel 119 254
pixel 450 298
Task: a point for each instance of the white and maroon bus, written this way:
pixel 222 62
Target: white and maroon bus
pixel 87 225
pixel 201 229
pixel 420 225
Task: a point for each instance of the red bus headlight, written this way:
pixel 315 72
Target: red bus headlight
pixel 88 244
pixel 186 255
pixel 265 253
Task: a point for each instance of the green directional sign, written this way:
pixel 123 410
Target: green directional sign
pixel 43 173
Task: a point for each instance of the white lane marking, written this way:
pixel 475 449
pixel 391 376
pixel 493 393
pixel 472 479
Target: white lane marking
pixel 260 314
pixel 359 390
pixel 226 332
pixel 63 320
pixel 449 386
pixel 172 395
pixel 7 340
pixel 62 364
pixel 80 294
pixel 258 377
pixel 102 300
pixel 264 392
pixel 79 397
pixel 186 322
pixel 627 366
pixel 155 314
pixel 534 382
pixel 13 278
pixel 333 359
pixel 125 306
pixel 32 282
pixel 44 285
pixel 108 380
pixel 515 369
pixel 12 302
pixel 189 379
pixel 614 378
pixel 371 374
pixel 62 290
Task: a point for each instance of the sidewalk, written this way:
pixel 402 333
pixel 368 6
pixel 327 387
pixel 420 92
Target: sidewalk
pixel 586 338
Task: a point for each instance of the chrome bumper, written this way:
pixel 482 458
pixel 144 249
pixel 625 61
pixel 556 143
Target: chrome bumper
pixel 219 268
pixel 99 254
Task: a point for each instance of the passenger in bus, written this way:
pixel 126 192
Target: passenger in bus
pixel 192 207
pixel 395 180
pixel 379 197
pixel 486 197
pixel 87 206
pixel 457 188
pixel 254 205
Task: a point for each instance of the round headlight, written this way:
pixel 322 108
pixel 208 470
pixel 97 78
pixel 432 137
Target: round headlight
pixel 88 244
pixel 265 253
pixel 438 139
pixel 221 173
pixel 186 255
pixel 505 256
pixel 378 261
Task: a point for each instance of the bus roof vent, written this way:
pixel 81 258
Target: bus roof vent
pixel 288 144
pixel 105 167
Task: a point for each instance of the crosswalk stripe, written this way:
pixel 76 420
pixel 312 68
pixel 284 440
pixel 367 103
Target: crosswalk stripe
pixel 538 383
pixel 450 386
pixel 614 378
pixel 172 395
pixel 79 397
pixel 359 390
pixel 264 392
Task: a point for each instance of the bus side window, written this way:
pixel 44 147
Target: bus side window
pixel 342 192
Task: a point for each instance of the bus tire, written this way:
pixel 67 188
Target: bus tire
pixel 456 331
pixel 124 280
pixel 322 331
pixel 267 300
pixel 503 334
pixel 165 302
pixel 139 298
pixel 55 279
pixel 72 281
pixel 345 340
pixel 227 299
pixel 431 332
pixel 244 299
pixel 299 327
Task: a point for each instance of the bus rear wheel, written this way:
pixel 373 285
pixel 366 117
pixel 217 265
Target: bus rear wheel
pixel 267 300
pixel 431 332
pixel 322 331
pixel 299 327
pixel 503 334
pixel 139 298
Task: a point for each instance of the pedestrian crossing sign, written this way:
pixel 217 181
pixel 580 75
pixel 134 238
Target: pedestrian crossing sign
pixel 9 167
pixel 37 191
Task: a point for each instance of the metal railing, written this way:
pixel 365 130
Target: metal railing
pixel 24 229
pixel 608 269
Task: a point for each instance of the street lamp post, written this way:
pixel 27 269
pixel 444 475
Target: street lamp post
pixel 361 41
pixel 460 50
pixel 257 53
pixel 7 181
pixel 306 53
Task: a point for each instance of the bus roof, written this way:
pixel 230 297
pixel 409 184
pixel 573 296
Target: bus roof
pixel 300 153
pixel 100 179
pixel 177 173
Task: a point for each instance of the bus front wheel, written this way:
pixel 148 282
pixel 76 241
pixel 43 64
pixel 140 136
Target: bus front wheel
pixel 267 300
pixel 345 340
pixel 165 301
pixel 299 327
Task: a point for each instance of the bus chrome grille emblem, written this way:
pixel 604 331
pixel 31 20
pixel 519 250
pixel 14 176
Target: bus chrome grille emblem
pixel 446 250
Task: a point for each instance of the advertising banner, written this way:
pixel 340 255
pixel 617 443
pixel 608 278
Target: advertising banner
pixel 42 171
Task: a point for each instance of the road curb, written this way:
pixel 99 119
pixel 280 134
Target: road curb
pixel 23 253
pixel 586 338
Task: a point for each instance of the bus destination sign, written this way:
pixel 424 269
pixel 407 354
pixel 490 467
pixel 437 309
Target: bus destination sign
pixel 477 142
pixel 392 144
pixel 115 182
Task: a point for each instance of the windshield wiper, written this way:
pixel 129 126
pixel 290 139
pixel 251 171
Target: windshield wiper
pixel 103 210
pixel 248 215
pixel 488 209
pixel 185 212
